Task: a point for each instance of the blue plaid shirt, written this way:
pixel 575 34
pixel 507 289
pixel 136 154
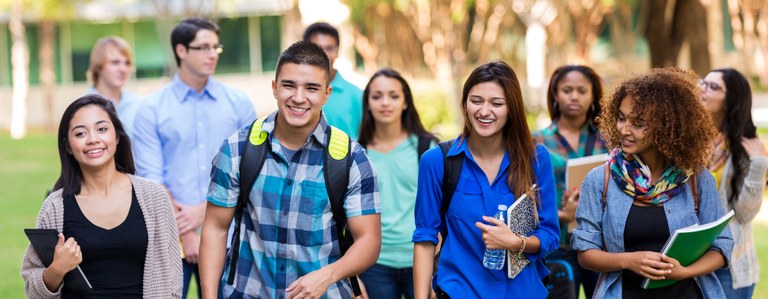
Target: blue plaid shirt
pixel 287 227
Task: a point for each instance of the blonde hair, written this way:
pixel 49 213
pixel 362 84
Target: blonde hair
pixel 99 55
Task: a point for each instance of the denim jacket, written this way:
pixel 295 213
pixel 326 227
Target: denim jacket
pixel 593 223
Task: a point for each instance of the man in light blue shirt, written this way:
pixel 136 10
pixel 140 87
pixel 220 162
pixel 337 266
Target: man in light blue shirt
pixel 178 130
pixel 344 108
pixel 110 67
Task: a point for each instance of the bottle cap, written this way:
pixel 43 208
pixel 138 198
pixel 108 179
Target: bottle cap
pixel 502 207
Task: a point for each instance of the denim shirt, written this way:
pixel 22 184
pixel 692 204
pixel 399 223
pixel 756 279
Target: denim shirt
pixel 593 222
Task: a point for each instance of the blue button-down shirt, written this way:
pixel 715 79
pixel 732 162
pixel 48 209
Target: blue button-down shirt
pixel 344 108
pixel 288 228
pixel 593 223
pixel 127 108
pixel 460 270
pixel 178 131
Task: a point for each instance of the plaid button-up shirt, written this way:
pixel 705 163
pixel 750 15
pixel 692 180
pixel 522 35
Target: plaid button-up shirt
pixel 288 228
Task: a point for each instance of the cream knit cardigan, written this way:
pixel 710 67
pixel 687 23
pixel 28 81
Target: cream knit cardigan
pixel 162 264
pixel 744 267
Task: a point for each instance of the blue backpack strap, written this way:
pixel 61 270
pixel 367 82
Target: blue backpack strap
pixel 252 156
pixel 336 172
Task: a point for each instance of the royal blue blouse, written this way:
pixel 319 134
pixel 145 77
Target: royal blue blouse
pixel 460 270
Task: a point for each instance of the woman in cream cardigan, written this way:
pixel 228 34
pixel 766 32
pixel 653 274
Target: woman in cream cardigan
pixel 738 163
pixel 120 229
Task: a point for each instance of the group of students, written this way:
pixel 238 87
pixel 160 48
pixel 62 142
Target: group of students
pixel 289 234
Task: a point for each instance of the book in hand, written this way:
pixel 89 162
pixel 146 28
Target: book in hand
pixel 522 219
pixel 44 242
pixel 576 169
pixel 688 244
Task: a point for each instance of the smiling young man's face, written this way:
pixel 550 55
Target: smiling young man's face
pixel 301 90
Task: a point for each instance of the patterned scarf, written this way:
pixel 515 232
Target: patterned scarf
pixel 720 153
pixel 634 178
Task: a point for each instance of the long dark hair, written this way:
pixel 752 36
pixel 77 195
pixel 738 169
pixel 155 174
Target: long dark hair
pixel 71 177
pixel 410 120
pixel 597 91
pixel 517 136
pixel 737 123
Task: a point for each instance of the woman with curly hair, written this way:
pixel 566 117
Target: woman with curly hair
pixel 573 101
pixel 739 163
pixel 661 136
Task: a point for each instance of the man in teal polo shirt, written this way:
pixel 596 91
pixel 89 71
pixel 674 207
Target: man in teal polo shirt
pixel 344 108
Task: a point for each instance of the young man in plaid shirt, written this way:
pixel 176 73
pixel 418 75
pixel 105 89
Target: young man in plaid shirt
pixel 288 246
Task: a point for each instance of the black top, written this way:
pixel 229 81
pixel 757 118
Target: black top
pixel 113 259
pixel 647 230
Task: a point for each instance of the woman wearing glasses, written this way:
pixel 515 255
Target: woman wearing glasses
pixel 739 164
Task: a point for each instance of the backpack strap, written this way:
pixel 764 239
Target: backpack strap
pixel 451 171
pixel 606 178
pixel 423 146
pixel 253 154
pixel 336 173
pixel 695 191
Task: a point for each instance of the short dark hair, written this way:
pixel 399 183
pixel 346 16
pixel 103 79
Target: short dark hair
pixel 409 121
pixel 185 32
pixel 307 53
pixel 597 91
pixel 321 28
pixel 71 177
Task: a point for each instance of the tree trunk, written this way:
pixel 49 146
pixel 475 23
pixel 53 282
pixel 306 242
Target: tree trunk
pixel 47 73
pixel 691 24
pixel 666 31
pixel 20 70
pixel 664 51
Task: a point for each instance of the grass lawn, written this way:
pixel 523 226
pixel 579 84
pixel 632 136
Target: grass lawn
pixel 29 167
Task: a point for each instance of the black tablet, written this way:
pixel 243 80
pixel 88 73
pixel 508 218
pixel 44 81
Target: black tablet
pixel 44 242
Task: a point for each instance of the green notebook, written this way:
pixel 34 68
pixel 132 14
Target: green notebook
pixel 688 244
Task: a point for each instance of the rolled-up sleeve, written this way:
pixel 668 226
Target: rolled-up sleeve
pixel 548 231
pixel 429 197
pixel 589 233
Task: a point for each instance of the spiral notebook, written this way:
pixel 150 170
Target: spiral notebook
pixel 522 219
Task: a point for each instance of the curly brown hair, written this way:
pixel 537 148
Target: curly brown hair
pixel 678 125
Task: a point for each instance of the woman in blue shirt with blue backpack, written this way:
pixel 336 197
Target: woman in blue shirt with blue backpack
pixel 500 163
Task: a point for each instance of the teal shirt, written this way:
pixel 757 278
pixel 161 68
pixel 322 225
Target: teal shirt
pixel 397 174
pixel 344 109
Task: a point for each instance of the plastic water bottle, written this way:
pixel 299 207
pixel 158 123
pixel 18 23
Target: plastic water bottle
pixel 494 258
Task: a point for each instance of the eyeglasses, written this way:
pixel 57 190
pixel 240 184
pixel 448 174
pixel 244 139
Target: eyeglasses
pixel 709 85
pixel 207 48
pixel 330 49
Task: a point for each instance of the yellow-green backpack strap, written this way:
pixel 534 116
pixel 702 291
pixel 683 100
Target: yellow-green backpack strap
pixel 258 136
pixel 338 145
